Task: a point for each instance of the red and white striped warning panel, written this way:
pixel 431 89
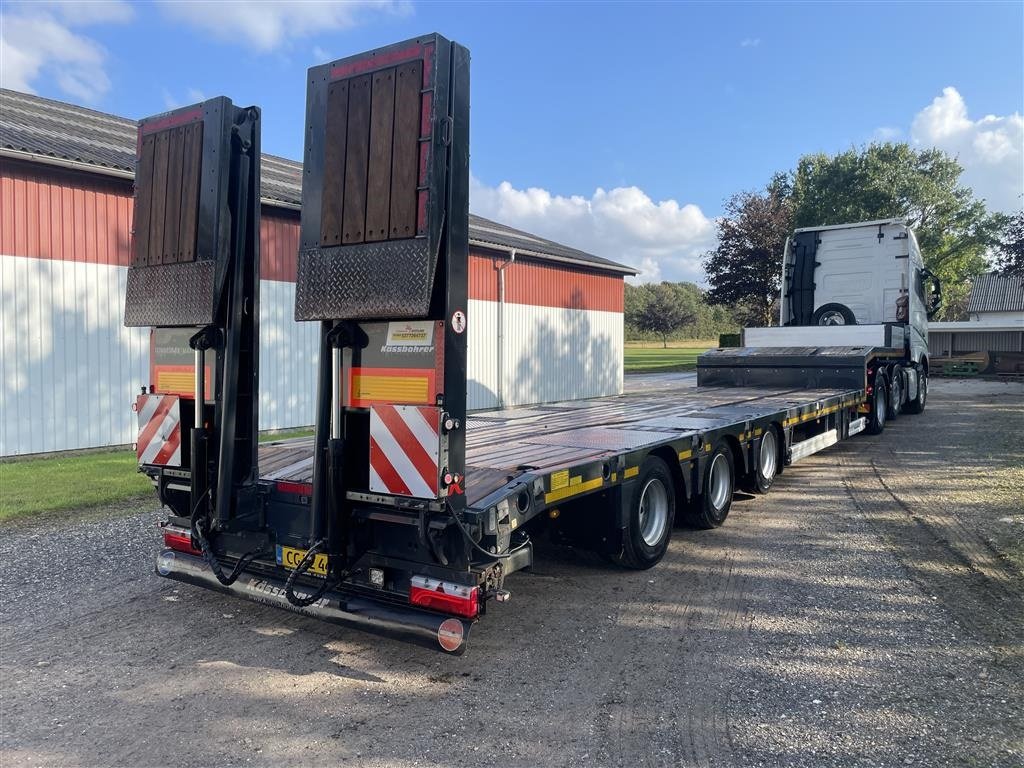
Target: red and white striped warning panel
pixel 159 430
pixel 404 450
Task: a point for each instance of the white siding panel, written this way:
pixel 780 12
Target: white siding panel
pixel 561 354
pixel 482 355
pixel 549 354
pixel 288 360
pixel 70 368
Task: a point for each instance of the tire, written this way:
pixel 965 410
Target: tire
pixel 879 405
pixel 916 405
pixel 652 514
pixel 711 507
pixel 833 314
pixel 768 460
pixel 897 391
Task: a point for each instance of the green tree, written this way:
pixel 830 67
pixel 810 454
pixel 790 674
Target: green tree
pixel 667 310
pixel 635 301
pixel 1009 250
pixel 744 269
pixel 896 181
pixel 707 323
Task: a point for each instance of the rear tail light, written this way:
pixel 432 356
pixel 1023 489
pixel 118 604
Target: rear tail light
pixel 297 489
pixel 180 540
pixel 444 596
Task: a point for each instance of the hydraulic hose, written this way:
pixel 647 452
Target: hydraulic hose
pixel 200 528
pixel 478 548
pixel 301 568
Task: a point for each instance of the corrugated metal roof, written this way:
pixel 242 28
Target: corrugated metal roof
pixel 993 293
pixel 54 131
pixel 485 232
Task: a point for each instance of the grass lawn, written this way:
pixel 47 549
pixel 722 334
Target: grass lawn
pixel 69 481
pixel 655 359
pixel 80 480
pixel 269 437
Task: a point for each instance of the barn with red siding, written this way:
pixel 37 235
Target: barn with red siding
pixel 545 320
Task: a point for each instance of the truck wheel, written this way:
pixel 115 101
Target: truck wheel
pixel 897 389
pixel 917 404
pixel 651 517
pixel 833 314
pixel 762 477
pixel 879 405
pixel 711 507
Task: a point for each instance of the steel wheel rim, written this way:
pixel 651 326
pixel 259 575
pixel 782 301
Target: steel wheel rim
pixel 719 481
pixel 653 512
pixel 880 405
pixel 897 392
pixel 832 318
pixel 768 457
pixel 923 394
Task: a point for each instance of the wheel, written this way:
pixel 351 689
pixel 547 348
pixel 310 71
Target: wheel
pixel 651 517
pixel 897 389
pixel 879 405
pixel 917 404
pixel 762 477
pixel 711 507
pixel 833 314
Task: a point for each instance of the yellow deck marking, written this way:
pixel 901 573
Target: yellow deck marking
pixel 560 480
pixel 573 490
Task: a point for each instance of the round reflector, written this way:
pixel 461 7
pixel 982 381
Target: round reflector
pixel 450 634
pixel 165 562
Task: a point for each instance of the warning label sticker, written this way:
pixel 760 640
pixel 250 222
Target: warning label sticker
pixel 459 321
pixel 411 333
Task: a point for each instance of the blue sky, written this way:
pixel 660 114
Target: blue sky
pixel 615 127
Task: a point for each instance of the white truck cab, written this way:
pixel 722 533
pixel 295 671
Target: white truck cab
pixel 869 273
pixel 857 285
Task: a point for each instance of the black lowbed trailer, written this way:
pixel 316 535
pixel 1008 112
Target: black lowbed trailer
pixel 403 512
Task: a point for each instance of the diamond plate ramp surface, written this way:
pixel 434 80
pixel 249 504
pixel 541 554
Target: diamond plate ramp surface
pixel 170 294
pixel 373 280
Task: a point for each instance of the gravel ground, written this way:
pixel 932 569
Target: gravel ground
pixel 868 612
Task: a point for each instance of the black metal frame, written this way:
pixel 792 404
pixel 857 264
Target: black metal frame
pixel 219 292
pixel 446 235
pixel 177 295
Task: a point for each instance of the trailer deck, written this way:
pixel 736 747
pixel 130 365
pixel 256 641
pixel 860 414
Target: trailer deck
pixel 520 444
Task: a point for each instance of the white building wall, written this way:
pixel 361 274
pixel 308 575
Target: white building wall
pixel 288 360
pixel 70 367
pixel 71 370
pixel 482 355
pixel 550 354
pixel 998 318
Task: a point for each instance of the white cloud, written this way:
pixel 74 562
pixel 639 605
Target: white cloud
pixel 36 41
pixel 662 240
pixel 887 133
pixel 750 42
pixel 82 12
pixel 270 24
pixel 991 149
pixel 192 96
